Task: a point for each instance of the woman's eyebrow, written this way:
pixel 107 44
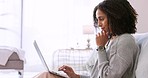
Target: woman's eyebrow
pixel 100 17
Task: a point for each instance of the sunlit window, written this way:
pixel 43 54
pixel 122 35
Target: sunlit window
pixel 10 23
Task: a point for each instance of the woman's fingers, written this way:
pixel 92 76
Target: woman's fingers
pixel 62 68
pixel 68 70
pixel 65 68
pixel 101 38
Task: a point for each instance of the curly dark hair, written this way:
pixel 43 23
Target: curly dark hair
pixel 122 17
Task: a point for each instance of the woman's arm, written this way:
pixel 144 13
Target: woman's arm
pixel 120 59
pixel 82 76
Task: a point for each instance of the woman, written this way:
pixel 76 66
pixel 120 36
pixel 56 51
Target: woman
pixel 117 50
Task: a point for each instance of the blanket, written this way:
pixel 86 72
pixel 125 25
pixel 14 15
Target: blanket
pixel 6 52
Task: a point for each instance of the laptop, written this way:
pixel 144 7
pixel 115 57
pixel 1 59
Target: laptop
pixel 44 62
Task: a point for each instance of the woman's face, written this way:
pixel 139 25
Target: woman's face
pixel 102 21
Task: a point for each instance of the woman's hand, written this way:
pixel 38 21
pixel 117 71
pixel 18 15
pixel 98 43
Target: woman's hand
pixel 101 38
pixel 69 71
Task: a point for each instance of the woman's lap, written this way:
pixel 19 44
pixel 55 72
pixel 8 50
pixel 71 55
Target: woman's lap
pixel 46 75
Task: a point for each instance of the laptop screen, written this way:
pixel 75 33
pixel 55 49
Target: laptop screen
pixel 44 62
pixel 40 55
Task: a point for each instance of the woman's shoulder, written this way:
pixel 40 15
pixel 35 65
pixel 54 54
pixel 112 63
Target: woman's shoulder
pixel 127 37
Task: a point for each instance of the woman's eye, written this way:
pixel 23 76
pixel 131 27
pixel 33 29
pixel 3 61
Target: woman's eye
pixel 101 19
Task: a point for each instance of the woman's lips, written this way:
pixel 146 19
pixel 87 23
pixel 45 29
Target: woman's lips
pixel 102 29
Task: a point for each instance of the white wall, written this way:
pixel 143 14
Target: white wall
pixel 141 8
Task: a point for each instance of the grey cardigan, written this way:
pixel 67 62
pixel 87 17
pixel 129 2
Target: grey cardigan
pixel 117 61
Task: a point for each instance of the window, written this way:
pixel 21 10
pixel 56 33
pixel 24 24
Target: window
pixel 10 23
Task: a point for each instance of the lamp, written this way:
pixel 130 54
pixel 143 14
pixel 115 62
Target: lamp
pixel 88 29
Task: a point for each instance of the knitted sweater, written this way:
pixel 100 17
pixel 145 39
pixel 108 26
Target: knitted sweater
pixel 117 61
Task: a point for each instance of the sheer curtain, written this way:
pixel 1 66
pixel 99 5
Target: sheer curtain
pixel 54 24
pixel 10 23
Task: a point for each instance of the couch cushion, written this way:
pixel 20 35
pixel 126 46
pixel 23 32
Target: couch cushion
pixel 142 65
pixel 14 56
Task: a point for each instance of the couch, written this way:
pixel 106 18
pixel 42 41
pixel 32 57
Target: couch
pixel 142 66
pixel 15 61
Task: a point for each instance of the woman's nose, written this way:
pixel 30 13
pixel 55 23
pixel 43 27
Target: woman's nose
pixel 99 24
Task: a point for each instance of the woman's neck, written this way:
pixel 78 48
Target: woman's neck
pixel 114 37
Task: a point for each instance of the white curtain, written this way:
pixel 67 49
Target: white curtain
pixel 10 23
